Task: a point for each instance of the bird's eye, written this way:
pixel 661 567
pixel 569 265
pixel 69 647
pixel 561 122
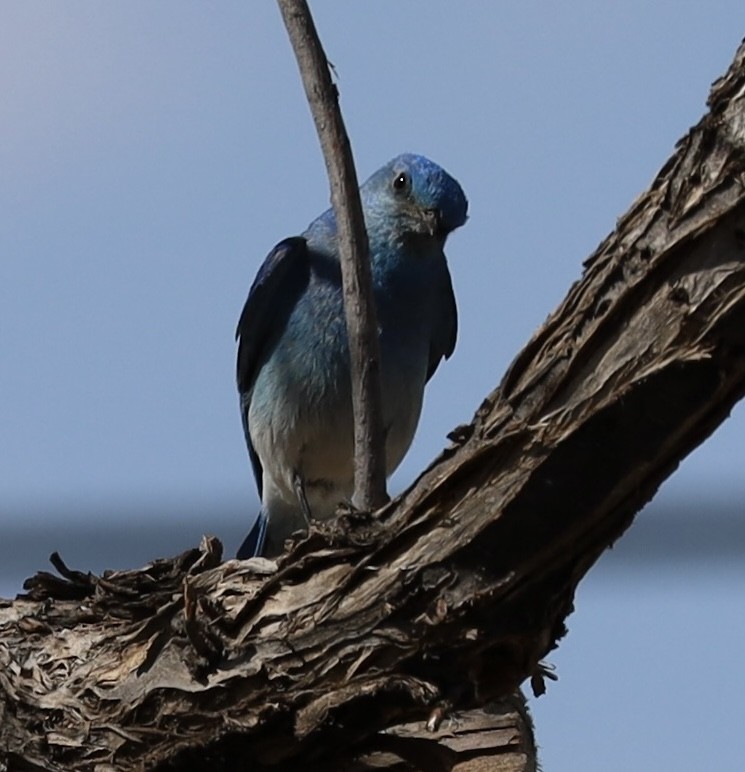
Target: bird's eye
pixel 401 181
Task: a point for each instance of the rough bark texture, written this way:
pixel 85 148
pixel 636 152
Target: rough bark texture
pixel 451 595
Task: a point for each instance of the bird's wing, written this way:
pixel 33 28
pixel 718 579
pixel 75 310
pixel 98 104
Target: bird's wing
pixel 253 544
pixel 280 280
pixel 445 329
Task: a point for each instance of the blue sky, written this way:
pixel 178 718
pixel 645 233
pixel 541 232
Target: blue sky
pixel 153 153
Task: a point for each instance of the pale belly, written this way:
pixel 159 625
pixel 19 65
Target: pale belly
pixel 303 428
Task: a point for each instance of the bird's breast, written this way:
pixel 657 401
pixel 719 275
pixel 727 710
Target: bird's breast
pixel 301 418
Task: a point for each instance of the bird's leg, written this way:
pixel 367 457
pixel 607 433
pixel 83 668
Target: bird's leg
pixel 297 482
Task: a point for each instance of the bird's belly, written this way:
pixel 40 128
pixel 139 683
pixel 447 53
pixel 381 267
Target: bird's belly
pixel 303 427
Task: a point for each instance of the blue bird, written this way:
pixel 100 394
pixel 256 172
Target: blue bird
pixel 293 366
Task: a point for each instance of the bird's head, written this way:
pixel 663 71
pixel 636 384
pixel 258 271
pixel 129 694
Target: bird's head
pixel 412 196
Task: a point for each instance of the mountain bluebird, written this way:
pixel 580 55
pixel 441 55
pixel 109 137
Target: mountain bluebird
pixel 293 359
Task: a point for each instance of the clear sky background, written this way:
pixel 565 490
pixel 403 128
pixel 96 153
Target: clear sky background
pixel 153 153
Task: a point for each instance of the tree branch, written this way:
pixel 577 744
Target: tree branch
pixel 450 598
pixel 359 305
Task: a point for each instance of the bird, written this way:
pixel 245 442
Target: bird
pixel 293 367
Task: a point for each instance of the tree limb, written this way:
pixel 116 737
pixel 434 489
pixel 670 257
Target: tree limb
pixel 359 304
pixel 452 596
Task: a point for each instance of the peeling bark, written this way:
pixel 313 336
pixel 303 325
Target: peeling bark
pixel 446 599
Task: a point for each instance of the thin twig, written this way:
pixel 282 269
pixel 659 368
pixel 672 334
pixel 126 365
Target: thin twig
pixel 362 326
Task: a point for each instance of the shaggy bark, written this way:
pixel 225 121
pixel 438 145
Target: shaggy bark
pixel 449 596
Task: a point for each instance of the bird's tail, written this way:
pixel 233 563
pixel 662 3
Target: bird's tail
pixel 253 544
